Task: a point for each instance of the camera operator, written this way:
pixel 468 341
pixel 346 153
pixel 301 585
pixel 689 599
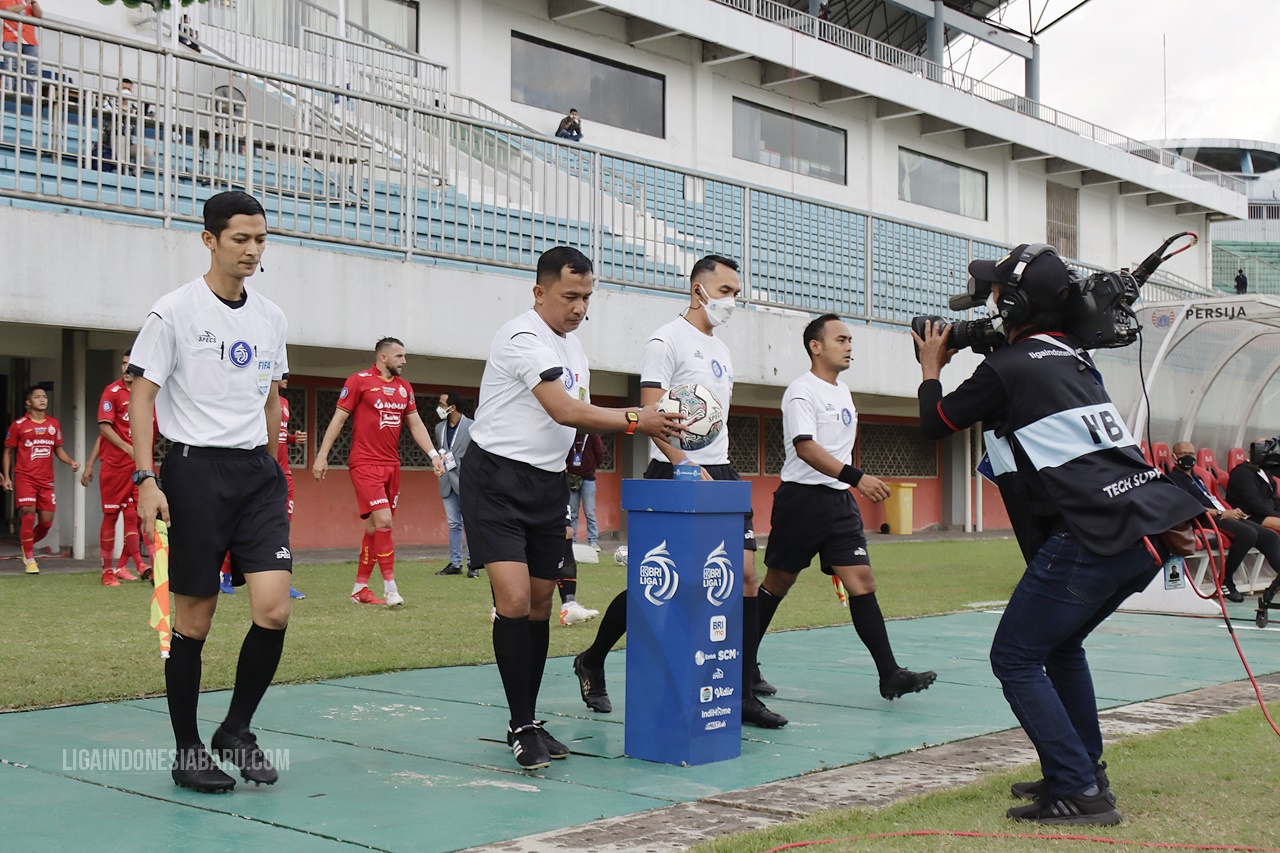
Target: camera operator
pixel 1087 510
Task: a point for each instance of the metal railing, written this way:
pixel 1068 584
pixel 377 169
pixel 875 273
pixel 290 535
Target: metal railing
pixel 804 23
pixel 357 169
pixel 1264 276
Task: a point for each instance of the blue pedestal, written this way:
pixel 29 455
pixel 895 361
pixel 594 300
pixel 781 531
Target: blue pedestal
pixel 684 619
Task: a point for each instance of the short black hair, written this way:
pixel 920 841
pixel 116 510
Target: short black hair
pixel 553 261
pixel 26 395
pixel 219 209
pixel 128 353
pixel 386 343
pixel 126 80
pixel 813 331
pixel 573 109
pixel 455 399
pixel 709 264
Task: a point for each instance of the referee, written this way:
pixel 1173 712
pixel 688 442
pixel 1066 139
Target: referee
pixel 534 396
pixel 208 361
pixel 813 512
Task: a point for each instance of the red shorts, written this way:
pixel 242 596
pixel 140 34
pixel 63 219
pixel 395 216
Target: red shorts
pixel 32 493
pixel 118 490
pixel 377 487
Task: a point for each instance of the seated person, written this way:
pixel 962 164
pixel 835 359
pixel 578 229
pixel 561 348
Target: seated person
pixel 1245 534
pixel 1251 489
pixel 570 127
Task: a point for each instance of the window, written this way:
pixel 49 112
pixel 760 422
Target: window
pixel 297 398
pixel 783 141
pixel 1062 216
pixel 326 404
pixel 775 449
pixel 545 75
pixel 941 185
pixel 896 450
pixel 744 443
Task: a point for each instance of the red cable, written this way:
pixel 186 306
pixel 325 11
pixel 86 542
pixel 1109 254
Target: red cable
pixel 1163 845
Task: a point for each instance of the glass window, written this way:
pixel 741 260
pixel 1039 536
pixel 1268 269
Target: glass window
pixel 783 141
pixel 556 78
pixel 1062 211
pixel 941 185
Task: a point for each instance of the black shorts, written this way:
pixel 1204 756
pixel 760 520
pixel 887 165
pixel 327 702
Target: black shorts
pixel 224 500
pixel 811 521
pixel 513 512
pixel 659 470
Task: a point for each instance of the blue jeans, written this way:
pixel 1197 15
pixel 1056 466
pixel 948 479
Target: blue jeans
pixel 453 512
pixel 1038 651
pixel 586 498
pixel 10 66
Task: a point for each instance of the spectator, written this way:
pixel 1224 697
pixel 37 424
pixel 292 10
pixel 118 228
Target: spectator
pixel 1251 489
pixel 187 36
pixel 21 38
pixel 453 437
pixel 1242 283
pixel 570 127
pixel 1245 534
pixel 584 458
pixel 824 12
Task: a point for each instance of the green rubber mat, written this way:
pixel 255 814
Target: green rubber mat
pixel 418 760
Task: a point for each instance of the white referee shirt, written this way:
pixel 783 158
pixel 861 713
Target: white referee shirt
pixel 214 365
pixel 510 422
pixel 812 408
pixel 680 354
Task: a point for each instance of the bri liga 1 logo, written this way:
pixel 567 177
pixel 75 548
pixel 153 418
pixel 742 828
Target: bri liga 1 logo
pixel 240 353
pixel 658 576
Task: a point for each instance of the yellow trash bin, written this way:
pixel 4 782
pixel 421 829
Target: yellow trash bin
pixel 897 509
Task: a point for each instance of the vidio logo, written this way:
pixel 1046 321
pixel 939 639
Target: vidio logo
pixel 658 575
pixel 717 576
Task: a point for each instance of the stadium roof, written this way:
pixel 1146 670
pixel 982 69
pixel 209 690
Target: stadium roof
pixel 1233 156
pixel 893 23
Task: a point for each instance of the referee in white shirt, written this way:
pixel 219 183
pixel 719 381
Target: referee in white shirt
pixel 534 396
pixel 208 361
pixel 813 512
pixel 687 351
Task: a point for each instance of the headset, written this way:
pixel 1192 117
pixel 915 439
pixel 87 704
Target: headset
pixel 1014 305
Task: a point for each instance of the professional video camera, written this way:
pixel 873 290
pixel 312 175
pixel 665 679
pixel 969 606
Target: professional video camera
pixel 1098 309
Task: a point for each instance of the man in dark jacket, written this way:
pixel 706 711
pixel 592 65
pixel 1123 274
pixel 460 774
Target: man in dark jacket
pixel 1251 489
pixel 1245 534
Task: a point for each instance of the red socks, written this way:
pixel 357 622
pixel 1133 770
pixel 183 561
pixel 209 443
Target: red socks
pixel 27 536
pixel 107 536
pixel 132 540
pixel 365 566
pixel 386 552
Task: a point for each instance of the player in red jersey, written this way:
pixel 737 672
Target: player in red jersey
pixel 378 402
pixel 115 483
pixel 35 439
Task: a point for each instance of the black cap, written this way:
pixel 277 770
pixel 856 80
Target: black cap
pixel 1045 279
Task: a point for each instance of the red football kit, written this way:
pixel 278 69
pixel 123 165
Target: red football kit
pixel 116 480
pixel 282 449
pixel 378 408
pixel 33 443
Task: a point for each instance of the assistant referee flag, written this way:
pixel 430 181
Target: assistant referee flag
pixel 160 619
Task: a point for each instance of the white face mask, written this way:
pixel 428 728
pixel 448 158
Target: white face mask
pixel 719 310
pixel 442 412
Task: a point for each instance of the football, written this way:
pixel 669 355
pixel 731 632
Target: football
pixel 703 415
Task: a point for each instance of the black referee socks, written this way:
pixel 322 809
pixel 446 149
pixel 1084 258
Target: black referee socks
pixel 612 626
pixel 182 687
pixel 511 641
pixel 868 621
pixel 539 642
pixel 259 657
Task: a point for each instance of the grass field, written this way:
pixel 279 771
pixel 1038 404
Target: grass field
pixel 67 639
pixel 1210 783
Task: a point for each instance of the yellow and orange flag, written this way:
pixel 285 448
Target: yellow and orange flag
pixel 161 619
pixel 841 594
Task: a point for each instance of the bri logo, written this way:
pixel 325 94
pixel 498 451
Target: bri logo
pixel 658 576
pixel 717 576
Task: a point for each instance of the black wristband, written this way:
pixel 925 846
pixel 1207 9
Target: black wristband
pixel 850 475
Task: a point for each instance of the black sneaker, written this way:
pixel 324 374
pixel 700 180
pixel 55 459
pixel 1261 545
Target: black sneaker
pixel 1234 595
pixel 756 714
pixel 530 750
pixel 905 681
pixel 450 569
pixel 195 768
pixel 554 747
pixel 760 687
pixel 1036 790
pixel 473 572
pixel 591 685
pixel 1080 810
pixel 241 749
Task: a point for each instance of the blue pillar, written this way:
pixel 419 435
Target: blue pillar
pixel 937 34
pixel 1033 74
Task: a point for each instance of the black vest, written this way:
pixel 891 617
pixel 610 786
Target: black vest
pixel 1064 451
